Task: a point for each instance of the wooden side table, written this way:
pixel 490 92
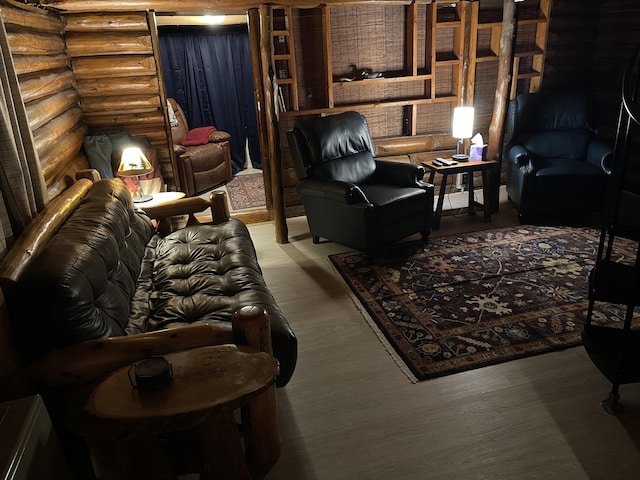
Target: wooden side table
pixel 208 384
pixel 161 198
pixel 468 167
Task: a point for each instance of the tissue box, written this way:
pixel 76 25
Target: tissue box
pixel 478 152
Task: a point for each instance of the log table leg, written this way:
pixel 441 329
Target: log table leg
pixel 222 453
pixel 139 459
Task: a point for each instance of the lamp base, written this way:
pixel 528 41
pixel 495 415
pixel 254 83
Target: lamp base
pixel 460 157
pixel 142 198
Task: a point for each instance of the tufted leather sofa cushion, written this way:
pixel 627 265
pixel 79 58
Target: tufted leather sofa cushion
pixel 107 273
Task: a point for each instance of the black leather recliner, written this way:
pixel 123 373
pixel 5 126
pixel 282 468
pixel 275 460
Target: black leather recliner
pixel 350 197
pixel 555 165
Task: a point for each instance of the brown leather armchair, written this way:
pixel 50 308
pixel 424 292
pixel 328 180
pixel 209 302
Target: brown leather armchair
pixel 200 167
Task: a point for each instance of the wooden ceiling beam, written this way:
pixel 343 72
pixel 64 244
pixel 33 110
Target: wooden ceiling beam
pixel 200 7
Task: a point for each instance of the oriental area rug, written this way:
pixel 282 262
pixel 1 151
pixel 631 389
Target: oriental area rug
pixel 477 299
pixel 246 191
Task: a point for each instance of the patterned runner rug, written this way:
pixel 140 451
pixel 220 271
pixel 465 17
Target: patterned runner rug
pixel 246 191
pixel 478 299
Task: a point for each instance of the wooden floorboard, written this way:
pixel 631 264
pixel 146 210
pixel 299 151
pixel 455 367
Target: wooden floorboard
pixel 350 413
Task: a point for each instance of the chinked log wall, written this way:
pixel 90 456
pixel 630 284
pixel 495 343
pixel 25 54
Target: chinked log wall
pixel 36 39
pixel 86 74
pixel 114 59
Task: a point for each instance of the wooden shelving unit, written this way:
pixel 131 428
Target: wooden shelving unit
pixel 533 27
pixel 422 53
pixel 284 58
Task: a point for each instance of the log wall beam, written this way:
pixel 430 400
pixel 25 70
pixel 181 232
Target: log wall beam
pixel 199 7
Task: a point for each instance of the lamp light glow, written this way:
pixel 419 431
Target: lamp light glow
pixel 134 163
pixel 214 19
pixel 462 128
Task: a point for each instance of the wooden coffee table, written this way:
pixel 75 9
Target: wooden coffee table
pixel 468 167
pixel 208 384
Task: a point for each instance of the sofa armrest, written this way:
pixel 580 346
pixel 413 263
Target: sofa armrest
pixel 93 359
pixel 334 190
pixel 519 155
pixel 181 206
pixel 189 206
pixel 600 155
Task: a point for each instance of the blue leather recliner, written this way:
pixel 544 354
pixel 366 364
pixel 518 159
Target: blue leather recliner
pixel 555 165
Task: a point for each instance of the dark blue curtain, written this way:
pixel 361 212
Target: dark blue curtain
pixel 208 72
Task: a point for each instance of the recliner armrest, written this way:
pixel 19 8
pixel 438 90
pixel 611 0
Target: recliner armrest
pixel 331 190
pixel 398 174
pixel 218 136
pixel 519 155
pixel 600 155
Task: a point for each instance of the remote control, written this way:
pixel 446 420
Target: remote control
pixel 442 161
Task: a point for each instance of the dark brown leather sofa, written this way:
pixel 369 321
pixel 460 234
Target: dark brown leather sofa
pixel 107 273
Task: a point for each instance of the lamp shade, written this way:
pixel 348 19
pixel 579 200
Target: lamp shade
pixel 463 122
pixel 133 163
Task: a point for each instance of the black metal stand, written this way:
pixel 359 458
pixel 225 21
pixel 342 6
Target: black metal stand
pixel 616 351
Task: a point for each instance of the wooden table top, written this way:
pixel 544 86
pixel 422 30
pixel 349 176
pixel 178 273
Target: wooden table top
pixel 426 160
pixel 204 379
pixel 468 166
pixel 161 198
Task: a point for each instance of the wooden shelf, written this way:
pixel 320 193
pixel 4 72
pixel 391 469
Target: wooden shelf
pixel 284 58
pixel 486 56
pixel 446 58
pixel 528 58
pixel 427 69
pixel 528 74
pixel 528 52
pixel 383 79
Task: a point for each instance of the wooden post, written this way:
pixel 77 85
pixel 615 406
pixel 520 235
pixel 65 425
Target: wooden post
pixel 219 207
pixel 466 93
pixel 253 15
pixel 275 162
pixel 502 96
pixel 251 327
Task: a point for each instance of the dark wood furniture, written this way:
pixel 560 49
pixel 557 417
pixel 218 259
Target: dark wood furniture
pixel 469 167
pixel 208 385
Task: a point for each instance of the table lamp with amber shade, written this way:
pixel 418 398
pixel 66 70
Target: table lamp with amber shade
pixel 133 163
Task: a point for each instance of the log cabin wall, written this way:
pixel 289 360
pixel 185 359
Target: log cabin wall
pixel 590 43
pixel 618 35
pixel 117 74
pixel 115 62
pixel 36 39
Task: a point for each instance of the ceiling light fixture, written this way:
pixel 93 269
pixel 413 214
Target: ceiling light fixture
pixel 214 19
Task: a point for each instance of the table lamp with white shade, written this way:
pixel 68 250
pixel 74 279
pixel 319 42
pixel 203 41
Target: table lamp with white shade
pixel 462 129
pixel 133 163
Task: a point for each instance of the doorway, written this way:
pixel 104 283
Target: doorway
pixel 207 69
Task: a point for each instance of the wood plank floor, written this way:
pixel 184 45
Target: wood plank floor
pixel 350 413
